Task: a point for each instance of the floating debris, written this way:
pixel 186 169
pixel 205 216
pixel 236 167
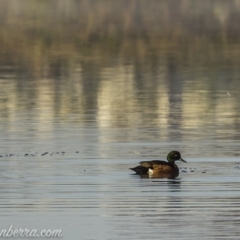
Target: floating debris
pixel 34 154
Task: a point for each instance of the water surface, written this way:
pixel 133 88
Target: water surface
pixel 85 100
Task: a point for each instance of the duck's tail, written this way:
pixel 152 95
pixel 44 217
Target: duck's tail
pixel 140 170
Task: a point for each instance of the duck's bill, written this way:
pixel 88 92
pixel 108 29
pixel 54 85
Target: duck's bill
pixel 183 160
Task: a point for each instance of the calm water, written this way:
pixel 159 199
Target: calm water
pixel 78 112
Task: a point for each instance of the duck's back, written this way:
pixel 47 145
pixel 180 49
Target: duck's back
pixel 149 164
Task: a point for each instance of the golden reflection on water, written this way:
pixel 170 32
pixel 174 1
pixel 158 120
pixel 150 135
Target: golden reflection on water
pixel 120 98
pixel 117 97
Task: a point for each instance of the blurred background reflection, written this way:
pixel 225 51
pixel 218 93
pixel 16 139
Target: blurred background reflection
pixel 171 65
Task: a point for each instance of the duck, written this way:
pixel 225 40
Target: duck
pixel 160 168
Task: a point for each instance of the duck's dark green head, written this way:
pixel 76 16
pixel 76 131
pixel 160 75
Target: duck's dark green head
pixel 174 156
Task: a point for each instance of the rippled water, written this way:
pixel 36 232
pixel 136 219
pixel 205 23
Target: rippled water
pixel 84 186
pixel 77 113
pixel 92 197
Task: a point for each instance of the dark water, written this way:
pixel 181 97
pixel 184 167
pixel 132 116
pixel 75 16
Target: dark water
pixel 83 99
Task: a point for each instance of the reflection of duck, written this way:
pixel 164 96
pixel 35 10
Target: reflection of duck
pixel 161 169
